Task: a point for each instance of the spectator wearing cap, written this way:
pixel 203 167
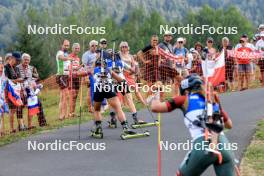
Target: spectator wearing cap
pixel 29 73
pixel 103 44
pixel 261 28
pixel 211 50
pixel 88 59
pixel 12 73
pixel 182 52
pixel 260 47
pixel 166 43
pixel 167 72
pixel 244 67
pixel 62 77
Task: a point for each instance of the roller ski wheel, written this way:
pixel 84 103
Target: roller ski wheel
pixel 112 123
pixel 145 124
pixel 136 135
pixel 98 133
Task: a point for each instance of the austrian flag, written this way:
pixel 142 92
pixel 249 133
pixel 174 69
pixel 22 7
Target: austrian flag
pixel 214 70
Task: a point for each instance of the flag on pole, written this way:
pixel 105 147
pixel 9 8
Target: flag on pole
pixel 214 70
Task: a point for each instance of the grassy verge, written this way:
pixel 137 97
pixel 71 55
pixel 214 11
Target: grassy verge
pixel 253 162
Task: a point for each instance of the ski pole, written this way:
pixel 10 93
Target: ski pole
pixel 80 115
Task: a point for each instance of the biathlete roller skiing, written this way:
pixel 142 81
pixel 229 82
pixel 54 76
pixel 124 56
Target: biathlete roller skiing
pixel 103 88
pixel 120 67
pixel 206 119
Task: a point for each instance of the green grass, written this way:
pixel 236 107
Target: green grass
pixel 253 161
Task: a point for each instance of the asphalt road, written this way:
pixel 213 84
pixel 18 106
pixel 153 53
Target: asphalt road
pixel 135 157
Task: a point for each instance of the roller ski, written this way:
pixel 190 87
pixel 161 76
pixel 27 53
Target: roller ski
pixel 113 122
pixel 98 131
pixel 142 124
pixel 130 134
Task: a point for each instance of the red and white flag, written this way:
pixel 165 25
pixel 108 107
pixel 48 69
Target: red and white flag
pixel 214 70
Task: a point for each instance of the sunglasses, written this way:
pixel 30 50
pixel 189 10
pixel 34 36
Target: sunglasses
pixel 180 42
pixel 209 41
pixel 241 41
pixel 124 47
pixel 103 43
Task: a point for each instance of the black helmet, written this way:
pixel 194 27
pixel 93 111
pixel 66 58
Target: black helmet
pixel 191 82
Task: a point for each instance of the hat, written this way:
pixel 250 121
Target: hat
pixel 167 33
pixel 261 26
pixel 103 40
pixel 244 36
pixel 180 39
pixel 210 39
pixel 16 55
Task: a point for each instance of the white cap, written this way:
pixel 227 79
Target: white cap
pixel 167 33
pixel 93 42
pixel 103 40
pixel 261 26
pixel 180 39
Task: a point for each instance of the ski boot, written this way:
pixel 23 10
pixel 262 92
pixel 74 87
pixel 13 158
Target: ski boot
pixel 113 122
pixel 129 134
pixel 98 131
pixel 141 124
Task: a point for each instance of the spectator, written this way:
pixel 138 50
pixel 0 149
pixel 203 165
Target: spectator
pixel 182 52
pixel 62 78
pixel 149 56
pixel 260 47
pixel 88 59
pixel 196 66
pixel 199 47
pixel 167 68
pixel 244 67
pixel 166 43
pixel 103 44
pixel 261 28
pixel 211 50
pixel 229 64
pixel 129 69
pixel 29 73
pixel 74 77
pixel 12 74
pixel 3 104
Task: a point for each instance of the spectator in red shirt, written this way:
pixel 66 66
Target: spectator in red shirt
pixel 74 77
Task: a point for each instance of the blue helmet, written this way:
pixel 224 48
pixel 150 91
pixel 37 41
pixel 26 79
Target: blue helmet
pixel 191 82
